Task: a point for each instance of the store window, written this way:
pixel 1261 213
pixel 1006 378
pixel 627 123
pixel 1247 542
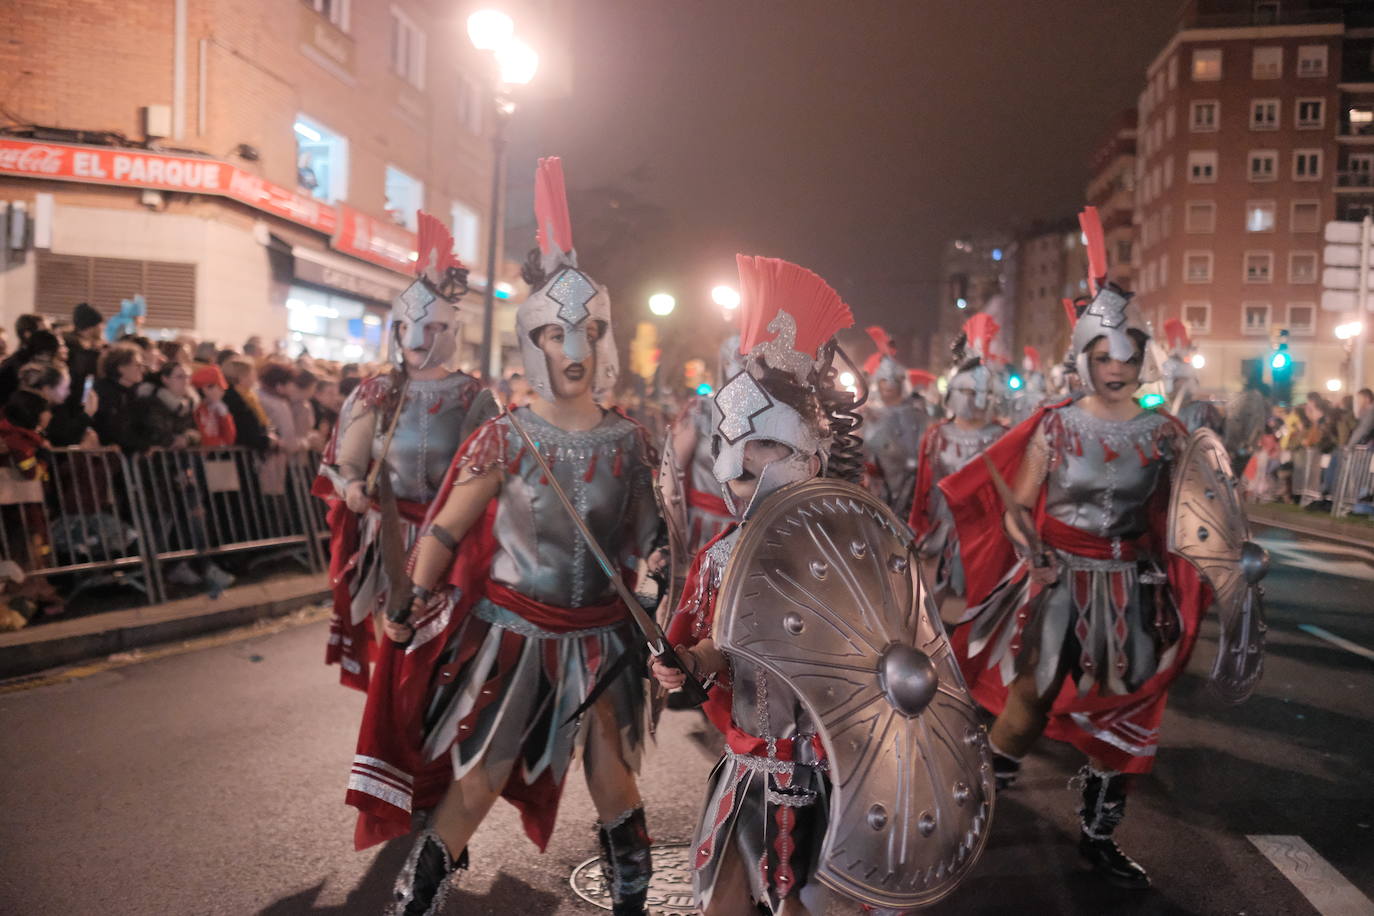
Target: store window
pixel 321 160
pixel 467 235
pixel 405 196
pixel 331 326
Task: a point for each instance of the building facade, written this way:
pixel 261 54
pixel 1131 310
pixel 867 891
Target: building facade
pixel 250 166
pixel 1111 189
pixel 1052 265
pixel 1247 142
pixel 977 275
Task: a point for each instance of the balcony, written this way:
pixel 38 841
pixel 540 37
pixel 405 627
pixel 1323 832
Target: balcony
pixel 1355 130
pixel 1355 181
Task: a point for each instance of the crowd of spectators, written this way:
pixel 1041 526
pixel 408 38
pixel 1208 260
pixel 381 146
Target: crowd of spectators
pixel 1313 431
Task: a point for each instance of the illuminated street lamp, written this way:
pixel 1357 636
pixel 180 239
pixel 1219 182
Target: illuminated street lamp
pixel 1198 361
pixel 727 297
pixel 662 304
pixel 1349 330
pixel 1334 384
pixel 516 63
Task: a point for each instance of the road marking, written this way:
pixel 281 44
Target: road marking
pixel 1313 876
pixel 1337 641
pixel 1354 565
pixel 138 656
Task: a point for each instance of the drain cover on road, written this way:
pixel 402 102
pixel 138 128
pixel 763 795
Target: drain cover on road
pixel 670 892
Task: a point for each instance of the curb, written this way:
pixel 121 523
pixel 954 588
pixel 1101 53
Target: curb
pixel 1318 526
pixel 51 645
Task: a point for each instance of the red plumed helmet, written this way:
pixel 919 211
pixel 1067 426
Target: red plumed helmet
pixel 980 331
pixel 771 286
pixel 1176 333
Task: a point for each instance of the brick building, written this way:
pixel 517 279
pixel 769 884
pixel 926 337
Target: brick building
pixel 1051 263
pixel 1111 189
pixel 1246 144
pixel 251 166
pixel 976 275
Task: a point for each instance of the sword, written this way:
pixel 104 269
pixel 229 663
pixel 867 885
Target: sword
pixel 1020 518
pixel 653 634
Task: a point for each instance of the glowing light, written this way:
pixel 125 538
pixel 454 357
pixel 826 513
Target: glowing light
pixel 1199 361
pixel 352 351
pixel 961 303
pixel 847 379
pixel 1279 360
pixel 490 30
pixel 518 62
pixel 372 321
pixel 1151 401
pixel 1014 382
pixel 1333 384
pixel 727 297
pixel 1348 330
pixel 997 254
pixel 308 132
pixel 662 304
pixel 704 389
pixel 503 291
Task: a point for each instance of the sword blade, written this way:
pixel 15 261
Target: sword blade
pixel 653 634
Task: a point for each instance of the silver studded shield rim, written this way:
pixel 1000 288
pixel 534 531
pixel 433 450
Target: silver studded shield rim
pixel 821 583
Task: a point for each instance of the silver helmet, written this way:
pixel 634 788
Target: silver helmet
pixel 1112 314
pixel 564 296
pixel 431 300
pixel 971 381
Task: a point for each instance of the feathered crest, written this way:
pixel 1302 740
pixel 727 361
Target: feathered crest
pixel 435 260
pixel 1176 333
pixel 1070 311
pixel 769 286
pixel 919 377
pixel 554 227
pixel 980 331
pixel 871 364
pixel 1091 224
pixel 882 340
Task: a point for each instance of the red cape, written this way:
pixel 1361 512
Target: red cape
pixel 988 557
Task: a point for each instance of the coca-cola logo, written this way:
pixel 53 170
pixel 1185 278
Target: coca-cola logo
pixel 42 160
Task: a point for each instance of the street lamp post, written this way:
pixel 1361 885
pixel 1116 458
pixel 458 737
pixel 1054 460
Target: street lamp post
pixel 516 63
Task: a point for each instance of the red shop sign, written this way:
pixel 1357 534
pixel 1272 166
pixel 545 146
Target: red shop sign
pixel 163 172
pixel 381 242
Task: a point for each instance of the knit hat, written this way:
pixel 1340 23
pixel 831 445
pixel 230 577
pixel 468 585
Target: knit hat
pixel 209 377
pixel 83 316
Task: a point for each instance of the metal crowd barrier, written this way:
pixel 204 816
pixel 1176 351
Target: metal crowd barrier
pixel 1308 464
pixel 1355 481
pixel 124 518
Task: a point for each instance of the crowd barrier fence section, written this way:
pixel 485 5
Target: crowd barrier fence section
pixel 1308 464
pixel 128 518
pixel 1354 481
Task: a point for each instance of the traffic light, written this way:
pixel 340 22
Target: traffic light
pixel 1281 370
pixel 1014 382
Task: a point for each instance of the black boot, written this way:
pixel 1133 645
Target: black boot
pixel 625 862
pixel 426 878
pixel 1104 805
pixel 1005 768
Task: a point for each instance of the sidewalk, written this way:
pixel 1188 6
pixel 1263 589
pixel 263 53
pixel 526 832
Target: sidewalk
pixel 1321 524
pixel 64 642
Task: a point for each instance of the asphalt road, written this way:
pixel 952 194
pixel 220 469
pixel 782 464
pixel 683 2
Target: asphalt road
pixel 211 781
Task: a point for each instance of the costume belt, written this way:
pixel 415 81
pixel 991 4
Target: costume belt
pixel 551 617
pixel 776 750
pixel 1076 541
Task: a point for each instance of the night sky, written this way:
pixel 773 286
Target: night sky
pixel 851 136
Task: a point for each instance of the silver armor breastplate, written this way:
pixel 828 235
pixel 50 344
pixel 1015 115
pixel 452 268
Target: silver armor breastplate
pixel 428 433
pixel 1103 472
pixel 761 705
pixel 960 446
pixel 539 551
pixel 700 475
pixel 894 440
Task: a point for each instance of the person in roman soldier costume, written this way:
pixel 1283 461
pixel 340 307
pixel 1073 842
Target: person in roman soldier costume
pixel 1033 387
pixel 896 421
pixel 514 623
pixel 772 602
pixel 1084 595
pixel 1180 382
pixel 396 436
pixel 948 445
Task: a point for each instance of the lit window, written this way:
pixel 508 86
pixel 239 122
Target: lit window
pixel 1264 114
pixel 1302 318
pixel 1263 165
pixel 1197 267
pixel 1306 216
pixel 1267 63
pixel 407 49
pixel 1302 267
pixel 467 234
pixel 1259 216
pixel 1202 166
pixel 1307 164
pixel 1202 116
pixel 1312 60
pixel 321 160
pixel 1259 266
pixel 1255 317
pixel 1311 113
pixel 404 198
pixel 1361 120
pixel 1198 317
pixel 1207 64
pixel 336 11
pixel 1201 216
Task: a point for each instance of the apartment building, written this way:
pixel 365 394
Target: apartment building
pixel 250 166
pixel 1052 265
pixel 1247 143
pixel 1111 189
pixel 977 275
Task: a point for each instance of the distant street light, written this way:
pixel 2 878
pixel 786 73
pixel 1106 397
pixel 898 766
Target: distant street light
pixel 727 297
pixel 662 304
pixel 847 379
pixel 490 30
pixel 1333 384
pixel 518 62
pixel 1198 361
pixel 1349 330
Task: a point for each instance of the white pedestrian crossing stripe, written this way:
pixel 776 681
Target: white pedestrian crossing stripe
pixel 1329 558
pixel 1324 887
